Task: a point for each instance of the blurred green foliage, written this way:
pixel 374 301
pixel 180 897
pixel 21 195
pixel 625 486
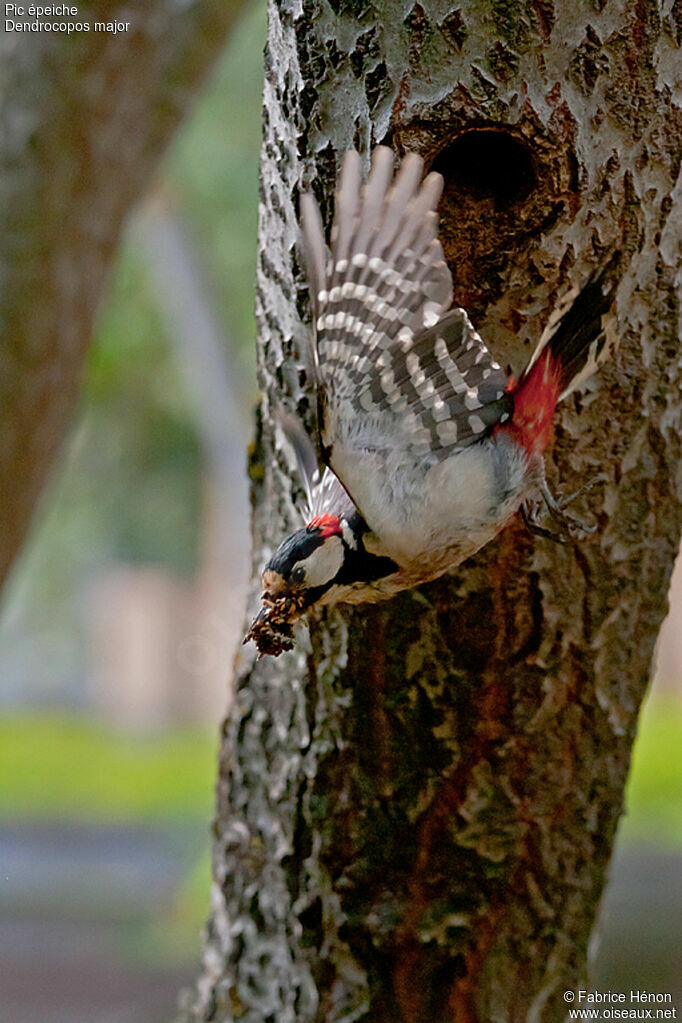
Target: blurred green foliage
pixel 142 451
pixel 64 768
pixel 653 799
pixel 128 485
pixel 212 171
pixel 134 485
pixel 71 768
pixel 137 470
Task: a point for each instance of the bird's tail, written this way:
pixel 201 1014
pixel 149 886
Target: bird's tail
pixel 574 339
pixel 572 346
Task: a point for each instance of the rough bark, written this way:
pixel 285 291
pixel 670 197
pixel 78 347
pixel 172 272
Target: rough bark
pixel 415 817
pixel 83 118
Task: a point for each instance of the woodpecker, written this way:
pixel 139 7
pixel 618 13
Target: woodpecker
pixel 429 448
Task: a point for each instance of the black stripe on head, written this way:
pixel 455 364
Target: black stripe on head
pixel 297 547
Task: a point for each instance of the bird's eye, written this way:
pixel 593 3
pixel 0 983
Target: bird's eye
pixel 298 574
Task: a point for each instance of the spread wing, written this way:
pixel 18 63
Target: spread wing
pixel 395 376
pixel 386 273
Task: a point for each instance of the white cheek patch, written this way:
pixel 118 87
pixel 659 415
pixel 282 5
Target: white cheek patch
pixel 323 564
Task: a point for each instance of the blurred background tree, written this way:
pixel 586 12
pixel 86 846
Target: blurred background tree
pixel 107 748
pixel 128 484
pixel 107 743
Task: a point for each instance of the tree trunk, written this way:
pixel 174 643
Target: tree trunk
pixel 416 814
pixel 84 118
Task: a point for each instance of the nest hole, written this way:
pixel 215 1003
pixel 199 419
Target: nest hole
pixel 488 165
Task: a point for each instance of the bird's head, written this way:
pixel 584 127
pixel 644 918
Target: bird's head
pixel 298 575
pixel 305 565
pixel 320 564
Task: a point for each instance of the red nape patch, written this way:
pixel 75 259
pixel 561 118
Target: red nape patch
pixel 328 525
pixel 535 398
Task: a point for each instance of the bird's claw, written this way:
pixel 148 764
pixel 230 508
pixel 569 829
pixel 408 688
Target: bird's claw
pixel 570 527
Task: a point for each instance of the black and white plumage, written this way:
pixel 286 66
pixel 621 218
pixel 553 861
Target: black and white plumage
pixel 429 448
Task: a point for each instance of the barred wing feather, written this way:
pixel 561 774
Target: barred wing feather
pixel 386 272
pixel 395 376
pixel 443 382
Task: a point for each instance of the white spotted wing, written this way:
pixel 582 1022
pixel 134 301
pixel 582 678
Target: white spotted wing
pixel 395 376
pixel 386 272
pixel 443 381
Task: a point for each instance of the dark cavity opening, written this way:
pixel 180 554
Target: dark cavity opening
pixel 488 165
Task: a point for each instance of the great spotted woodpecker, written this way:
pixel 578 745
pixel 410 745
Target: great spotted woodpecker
pixel 429 448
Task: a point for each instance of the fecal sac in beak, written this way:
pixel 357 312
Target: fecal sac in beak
pixel 272 628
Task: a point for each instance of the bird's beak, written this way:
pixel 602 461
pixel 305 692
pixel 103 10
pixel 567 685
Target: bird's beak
pixel 273 585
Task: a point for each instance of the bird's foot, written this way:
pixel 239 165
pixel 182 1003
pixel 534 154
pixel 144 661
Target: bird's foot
pixel 569 527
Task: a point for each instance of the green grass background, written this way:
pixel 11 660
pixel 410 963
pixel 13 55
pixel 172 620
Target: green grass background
pixel 54 767
pixel 61 769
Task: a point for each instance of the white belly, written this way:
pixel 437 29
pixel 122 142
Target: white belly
pixel 430 517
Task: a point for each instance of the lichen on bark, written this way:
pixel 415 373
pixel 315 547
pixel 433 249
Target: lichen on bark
pixel 416 809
